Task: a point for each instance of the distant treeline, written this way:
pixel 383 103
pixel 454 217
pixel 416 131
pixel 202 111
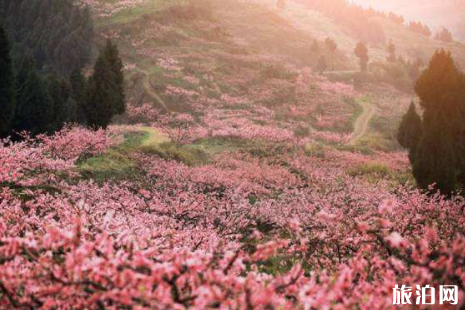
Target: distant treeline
pixel 58 34
pixel 355 18
pixel 419 28
pixel 360 20
pixel 44 45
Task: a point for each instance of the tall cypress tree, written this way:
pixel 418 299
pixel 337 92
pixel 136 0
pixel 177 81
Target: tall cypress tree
pixel 434 160
pixel 7 102
pixel 100 94
pixel 438 159
pixel 111 55
pixel 410 130
pixel 59 91
pixel 69 112
pixel 105 88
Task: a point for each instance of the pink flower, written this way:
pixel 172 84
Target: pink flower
pixel 396 240
pixel 387 206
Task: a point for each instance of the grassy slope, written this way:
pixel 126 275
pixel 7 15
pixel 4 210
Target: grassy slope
pixel 230 48
pixel 237 30
pixel 409 45
pixel 117 162
pixel 231 40
pixel 412 45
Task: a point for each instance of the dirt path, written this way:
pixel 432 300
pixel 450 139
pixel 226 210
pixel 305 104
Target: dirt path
pixel 341 72
pixel 149 89
pixel 363 121
pixel 154 137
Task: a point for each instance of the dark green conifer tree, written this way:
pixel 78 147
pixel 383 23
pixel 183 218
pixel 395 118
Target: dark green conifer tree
pixel 69 112
pixel 100 97
pixel 59 91
pixel 434 161
pixel 59 34
pixel 410 129
pixel 111 55
pixel 439 155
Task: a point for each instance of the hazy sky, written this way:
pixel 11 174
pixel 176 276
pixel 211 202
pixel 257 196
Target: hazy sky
pixel 436 13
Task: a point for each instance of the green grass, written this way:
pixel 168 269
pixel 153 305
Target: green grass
pixel 219 145
pixel 376 141
pixel 357 112
pixel 372 172
pixel 190 155
pixel 126 16
pixel 117 162
pixel 358 148
pixel 315 150
pixel 372 168
pixel 153 137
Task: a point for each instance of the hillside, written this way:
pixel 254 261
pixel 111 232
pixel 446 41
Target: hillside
pixel 409 45
pixel 255 168
pixel 173 56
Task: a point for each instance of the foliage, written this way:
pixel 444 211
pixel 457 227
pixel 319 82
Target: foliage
pixel 114 61
pixel 444 35
pixel 187 154
pixel 58 34
pixel 245 198
pixel 419 28
pixel 437 157
pixel 237 232
pixel 370 169
pixel 77 86
pixel 51 39
pixel 410 129
pixel 115 162
pixel 105 95
pixel 434 159
pixel 398 74
pixel 34 105
pixel 7 103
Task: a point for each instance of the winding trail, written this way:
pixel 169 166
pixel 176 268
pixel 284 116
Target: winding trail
pixel 341 72
pixel 149 89
pixel 154 137
pixel 360 127
pixel 363 121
